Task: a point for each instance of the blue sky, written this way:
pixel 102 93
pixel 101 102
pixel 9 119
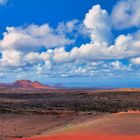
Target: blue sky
pixel 93 43
pixel 52 11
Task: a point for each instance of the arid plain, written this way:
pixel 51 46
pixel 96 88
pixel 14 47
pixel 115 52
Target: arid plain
pixel 47 113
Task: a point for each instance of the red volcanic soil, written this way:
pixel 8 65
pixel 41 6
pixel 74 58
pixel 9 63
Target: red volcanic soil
pixel 124 126
pixel 80 136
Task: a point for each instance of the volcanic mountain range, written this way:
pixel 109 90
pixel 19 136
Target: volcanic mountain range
pixel 35 85
pixel 25 84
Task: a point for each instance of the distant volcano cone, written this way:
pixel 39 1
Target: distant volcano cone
pixel 26 84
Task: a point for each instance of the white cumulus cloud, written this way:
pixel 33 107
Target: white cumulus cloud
pixel 126 14
pixel 98 22
pixel 135 61
pixel 32 38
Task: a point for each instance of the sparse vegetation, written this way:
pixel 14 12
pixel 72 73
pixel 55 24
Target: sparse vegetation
pixel 69 100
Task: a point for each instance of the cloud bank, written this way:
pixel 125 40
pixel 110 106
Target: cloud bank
pixel 42 50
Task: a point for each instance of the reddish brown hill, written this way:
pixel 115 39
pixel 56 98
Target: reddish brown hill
pixel 26 84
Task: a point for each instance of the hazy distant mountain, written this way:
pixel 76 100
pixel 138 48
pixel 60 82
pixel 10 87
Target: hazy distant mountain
pixel 59 86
